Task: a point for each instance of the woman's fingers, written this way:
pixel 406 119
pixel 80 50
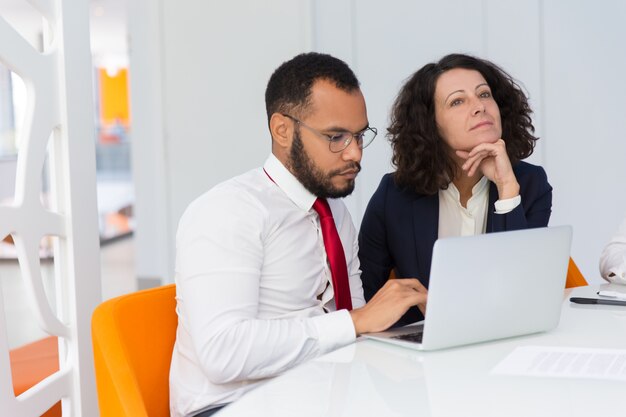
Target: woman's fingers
pixel 472 163
pixel 493 162
pixel 490 158
pixel 493 148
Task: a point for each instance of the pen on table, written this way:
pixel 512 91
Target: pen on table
pixel 612 294
pixel 583 300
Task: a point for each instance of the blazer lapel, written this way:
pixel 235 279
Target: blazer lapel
pixel 426 230
pixel 493 196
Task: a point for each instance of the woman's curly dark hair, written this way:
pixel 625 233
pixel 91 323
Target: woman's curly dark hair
pixel 422 159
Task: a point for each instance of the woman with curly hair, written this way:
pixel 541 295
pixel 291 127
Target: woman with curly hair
pixel 459 130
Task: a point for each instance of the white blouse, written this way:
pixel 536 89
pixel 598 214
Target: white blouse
pixel 456 220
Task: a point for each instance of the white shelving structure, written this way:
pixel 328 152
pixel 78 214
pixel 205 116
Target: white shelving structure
pixel 59 127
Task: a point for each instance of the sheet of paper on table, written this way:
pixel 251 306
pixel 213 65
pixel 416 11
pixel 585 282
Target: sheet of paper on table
pixel 564 362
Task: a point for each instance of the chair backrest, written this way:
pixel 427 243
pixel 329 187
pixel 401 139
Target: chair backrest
pixel 133 338
pixel 574 278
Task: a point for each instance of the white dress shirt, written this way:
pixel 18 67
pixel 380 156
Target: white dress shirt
pixel 456 220
pixel 613 258
pixel 254 294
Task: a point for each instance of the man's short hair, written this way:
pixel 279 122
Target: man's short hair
pixel 289 88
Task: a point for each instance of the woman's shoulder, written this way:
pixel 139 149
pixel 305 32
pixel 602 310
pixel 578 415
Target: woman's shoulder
pixel 386 183
pixel 391 200
pixel 522 169
pixel 531 177
pixel 391 189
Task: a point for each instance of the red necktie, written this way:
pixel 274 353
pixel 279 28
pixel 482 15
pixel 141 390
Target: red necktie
pixel 335 254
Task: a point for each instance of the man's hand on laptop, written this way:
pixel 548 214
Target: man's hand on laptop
pixel 389 304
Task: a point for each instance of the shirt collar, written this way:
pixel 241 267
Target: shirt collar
pixel 480 186
pixel 289 184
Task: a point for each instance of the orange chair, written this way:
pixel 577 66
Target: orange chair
pixel 574 278
pixel 133 337
pixel 33 362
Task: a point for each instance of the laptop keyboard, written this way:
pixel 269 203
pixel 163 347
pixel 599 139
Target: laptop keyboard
pixel 411 337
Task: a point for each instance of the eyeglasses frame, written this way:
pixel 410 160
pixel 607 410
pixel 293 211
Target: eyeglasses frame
pixel 329 138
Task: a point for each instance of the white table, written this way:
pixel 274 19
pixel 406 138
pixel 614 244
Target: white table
pixel 370 378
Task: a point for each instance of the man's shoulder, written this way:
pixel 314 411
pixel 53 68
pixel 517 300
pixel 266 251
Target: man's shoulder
pixel 236 203
pixel 238 191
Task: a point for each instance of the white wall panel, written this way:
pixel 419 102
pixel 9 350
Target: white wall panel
pixel 153 237
pixel 218 58
pixel 585 120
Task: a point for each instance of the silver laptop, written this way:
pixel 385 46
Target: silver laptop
pixel 489 287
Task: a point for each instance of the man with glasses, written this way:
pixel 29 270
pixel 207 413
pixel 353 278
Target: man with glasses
pixel 267 270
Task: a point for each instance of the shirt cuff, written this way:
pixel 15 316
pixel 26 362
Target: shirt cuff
pixel 508 205
pixel 334 330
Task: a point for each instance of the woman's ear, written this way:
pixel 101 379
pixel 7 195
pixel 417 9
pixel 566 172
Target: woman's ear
pixel 281 129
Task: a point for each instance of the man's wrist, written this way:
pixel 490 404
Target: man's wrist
pixel 357 320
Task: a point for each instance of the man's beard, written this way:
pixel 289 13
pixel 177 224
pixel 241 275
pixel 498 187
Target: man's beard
pixel 317 182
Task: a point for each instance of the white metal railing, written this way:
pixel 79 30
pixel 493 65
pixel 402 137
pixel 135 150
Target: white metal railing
pixel 59 126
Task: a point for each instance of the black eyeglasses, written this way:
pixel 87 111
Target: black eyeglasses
pixel 339 141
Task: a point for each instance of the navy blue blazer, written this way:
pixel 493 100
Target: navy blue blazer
pixel 400 227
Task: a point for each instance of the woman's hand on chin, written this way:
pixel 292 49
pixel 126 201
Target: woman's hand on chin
pixel 493 162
